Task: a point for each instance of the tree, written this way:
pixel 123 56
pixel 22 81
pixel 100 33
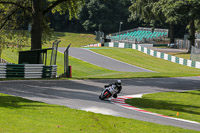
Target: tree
pixel 63 23
pixel 150 12
pixel 105 15
pixel 179 10
pixel 13 10
pixel 169 11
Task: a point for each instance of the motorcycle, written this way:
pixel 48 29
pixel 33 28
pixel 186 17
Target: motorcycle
pixel 108 92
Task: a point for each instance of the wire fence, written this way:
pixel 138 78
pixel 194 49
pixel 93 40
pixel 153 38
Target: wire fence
pixel 185 44
pixel 182 44
pixel 195 54
pixel 197 43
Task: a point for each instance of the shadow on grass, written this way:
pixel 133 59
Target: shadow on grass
pixel 189 92
pixel 162 105
pixel 57 35
pixel 184 53
pixel 17 102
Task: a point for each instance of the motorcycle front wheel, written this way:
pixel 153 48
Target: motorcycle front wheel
pixel 106 94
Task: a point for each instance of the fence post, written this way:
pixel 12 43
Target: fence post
pixel 54 52
pixel 66 62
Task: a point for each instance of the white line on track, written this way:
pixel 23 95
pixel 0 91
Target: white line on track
pixel 119 61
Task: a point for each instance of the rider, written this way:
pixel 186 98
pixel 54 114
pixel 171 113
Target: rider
pixel 116 85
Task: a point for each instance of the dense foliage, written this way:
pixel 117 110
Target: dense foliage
pixel 106 15
pixel 17 13
pixel 98 15
pixel 168 12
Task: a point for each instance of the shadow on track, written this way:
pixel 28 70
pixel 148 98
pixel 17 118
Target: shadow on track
pixel 53 89
pixel 173 84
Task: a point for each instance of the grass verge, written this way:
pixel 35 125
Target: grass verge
pixel 76 39
pixel 181 55
pixel 10 55
pixel 81 69
pixel 169 103
pixel 21 115
pixel 84 70
pixel 161 68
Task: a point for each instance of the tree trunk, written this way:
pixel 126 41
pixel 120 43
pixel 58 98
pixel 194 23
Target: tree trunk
pixel 192 35
pixel 36 32
pixel 171 33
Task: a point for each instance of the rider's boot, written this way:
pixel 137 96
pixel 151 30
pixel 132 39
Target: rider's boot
pixel 115 95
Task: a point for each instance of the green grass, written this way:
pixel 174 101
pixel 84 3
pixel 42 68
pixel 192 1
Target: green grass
pixel 81 69
pixel 162 68
pixel 84 70
pixel 169 103
pixel 19 115
pixel 76 39
pixel 10 55
pixel 181 55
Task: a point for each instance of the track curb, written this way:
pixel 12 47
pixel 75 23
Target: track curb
pixel 120 101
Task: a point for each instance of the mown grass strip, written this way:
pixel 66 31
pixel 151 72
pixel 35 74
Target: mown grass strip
pixel 181 55
pixel 22 115
pixel 76 39
pixel 187 104
pixel 84 70
pixel 161 67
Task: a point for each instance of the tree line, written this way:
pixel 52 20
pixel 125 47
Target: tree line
pixel 179 16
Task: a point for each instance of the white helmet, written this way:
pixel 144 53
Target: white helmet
pixel 119 82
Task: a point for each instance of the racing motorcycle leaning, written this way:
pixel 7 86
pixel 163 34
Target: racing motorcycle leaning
pixel 107 93
pixel 111 90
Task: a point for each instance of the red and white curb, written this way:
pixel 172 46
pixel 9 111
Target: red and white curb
pixel 120 101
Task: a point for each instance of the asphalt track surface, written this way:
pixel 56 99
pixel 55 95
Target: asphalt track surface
pixel 83 94
pixel 102 61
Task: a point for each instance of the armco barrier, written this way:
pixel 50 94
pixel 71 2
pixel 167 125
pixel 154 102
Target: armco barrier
pixel 2 70
pixel 154 53
pixel 49 71
pixel 27 71
pixel 33 70
pixel 93 45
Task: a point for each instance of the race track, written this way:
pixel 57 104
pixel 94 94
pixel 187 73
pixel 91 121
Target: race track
pixel 102 61
pixel 83 94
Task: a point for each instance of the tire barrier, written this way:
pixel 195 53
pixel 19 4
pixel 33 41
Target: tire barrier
pixel 27 71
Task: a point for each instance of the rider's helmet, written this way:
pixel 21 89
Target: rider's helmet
pixel 118 83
